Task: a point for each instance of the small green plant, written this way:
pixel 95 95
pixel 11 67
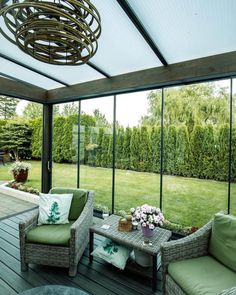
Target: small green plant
pixel 18 166
pixel 22 187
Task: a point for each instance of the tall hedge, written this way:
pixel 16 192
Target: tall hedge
pixel 201 153
pixel 182 151
pixel 155 148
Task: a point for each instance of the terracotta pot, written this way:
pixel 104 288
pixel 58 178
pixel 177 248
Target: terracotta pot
pixel 21 176
pixel 147 232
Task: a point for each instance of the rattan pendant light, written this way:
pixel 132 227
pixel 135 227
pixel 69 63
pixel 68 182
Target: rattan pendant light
pixel 56 32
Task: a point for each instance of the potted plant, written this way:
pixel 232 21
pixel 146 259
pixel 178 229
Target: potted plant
pixel 149 217
pixel 20 171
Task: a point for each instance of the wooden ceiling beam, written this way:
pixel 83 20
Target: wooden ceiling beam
pixel 21 90
pixel 203 69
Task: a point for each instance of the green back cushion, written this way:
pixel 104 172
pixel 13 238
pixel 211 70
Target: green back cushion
pixel 53 234
pixel 223 240
pixel 78 201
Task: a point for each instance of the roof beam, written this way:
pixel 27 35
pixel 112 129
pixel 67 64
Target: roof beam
pixel 203 69
pixel 96 68
pixel 32 69
pixel 138 24
pixel 21 90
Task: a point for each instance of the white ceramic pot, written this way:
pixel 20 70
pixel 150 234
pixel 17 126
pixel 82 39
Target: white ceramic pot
pixel 142 258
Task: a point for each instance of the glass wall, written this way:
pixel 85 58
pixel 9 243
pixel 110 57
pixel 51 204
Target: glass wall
pixel 233 154
pixel 21 138
pixel 138 137
pixel 96 146
pixel 196 152
pixel 65 145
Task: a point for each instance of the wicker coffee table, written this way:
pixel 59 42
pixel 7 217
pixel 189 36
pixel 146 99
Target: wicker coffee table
pixel 133 239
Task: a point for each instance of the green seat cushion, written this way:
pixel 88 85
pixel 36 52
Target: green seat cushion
pixel 78 201
pixel 201 276
pixel 223 240
pixel 53 234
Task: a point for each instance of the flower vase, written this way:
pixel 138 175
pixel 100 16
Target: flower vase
pixel 147 232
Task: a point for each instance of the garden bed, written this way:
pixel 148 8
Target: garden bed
pixel 4 189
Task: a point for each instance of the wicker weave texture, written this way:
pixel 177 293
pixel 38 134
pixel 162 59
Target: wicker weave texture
pixel 55 255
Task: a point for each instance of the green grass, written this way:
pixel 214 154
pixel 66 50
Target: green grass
pixel 187 201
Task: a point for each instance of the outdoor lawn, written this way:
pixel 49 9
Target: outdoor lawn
pixel 187 201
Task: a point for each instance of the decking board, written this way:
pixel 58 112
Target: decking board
pixel 97 278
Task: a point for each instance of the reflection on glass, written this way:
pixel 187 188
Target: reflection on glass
pixel 65 145
pixel 196 144
pixel 96 145
pixel 137 153
pixel 21 138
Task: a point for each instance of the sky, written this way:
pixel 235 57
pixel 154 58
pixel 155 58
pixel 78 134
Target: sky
pixel 129 107
pixel 126 114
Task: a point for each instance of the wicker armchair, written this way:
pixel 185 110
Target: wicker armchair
pixel 195 245
pixel 53 255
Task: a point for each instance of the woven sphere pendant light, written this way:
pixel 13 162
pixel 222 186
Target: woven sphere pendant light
pixel 61 32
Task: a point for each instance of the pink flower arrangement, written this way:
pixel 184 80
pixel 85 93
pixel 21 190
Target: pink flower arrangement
pixel 147 216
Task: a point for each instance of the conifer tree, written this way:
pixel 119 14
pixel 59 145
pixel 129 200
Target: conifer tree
pixel 99 148
pixel 105 149
pixel 16 138
pixel 119 147
pixel 144 149
pixel 155 150
pixel 170 147
pixel 8 106
pixel 182 151
pixel 209 153
pixel 126 150
pixel 135 149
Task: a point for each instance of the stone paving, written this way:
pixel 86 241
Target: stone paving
pixel 10 206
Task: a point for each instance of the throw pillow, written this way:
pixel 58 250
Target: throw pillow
pixel 54 208
pixel 112 253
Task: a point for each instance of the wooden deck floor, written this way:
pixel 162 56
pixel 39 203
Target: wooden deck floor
pixel 98 278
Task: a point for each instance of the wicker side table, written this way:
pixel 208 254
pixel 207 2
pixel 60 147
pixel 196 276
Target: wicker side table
pixel 133 239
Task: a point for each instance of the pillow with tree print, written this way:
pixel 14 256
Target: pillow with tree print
pixel 113 253
pixel 54 208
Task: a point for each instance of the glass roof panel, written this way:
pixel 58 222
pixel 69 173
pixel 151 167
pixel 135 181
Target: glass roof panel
pixel 121 48
pixel 26 75
pixel 68 74
pixel 188 29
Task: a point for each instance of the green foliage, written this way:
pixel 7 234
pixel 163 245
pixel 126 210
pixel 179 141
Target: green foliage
pixel 71 108
pixel 144 150
pixel 36 137
pixel 126 160
pixel 190 105
pixel 222 153
pixel 100 147
pixel 170 150
pixel 134 149
pixel 155 148
pixel 8 106
pixel 197 141
pixel 120 136
pixel 16 138
pixel 182 151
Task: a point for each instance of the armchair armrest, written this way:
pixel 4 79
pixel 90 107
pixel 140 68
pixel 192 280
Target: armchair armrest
pixel 28 223
pixel 79 230
pixel 192 246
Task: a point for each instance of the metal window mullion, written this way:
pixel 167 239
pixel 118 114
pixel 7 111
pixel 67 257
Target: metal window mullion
pixel 162 146
pixel 230 142
pixel 78 148
pixel 113 155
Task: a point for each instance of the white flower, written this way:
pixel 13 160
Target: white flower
pixel 151 226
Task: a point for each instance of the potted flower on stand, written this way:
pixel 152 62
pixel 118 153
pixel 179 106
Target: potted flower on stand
pixel 20 171
pixel 149 217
